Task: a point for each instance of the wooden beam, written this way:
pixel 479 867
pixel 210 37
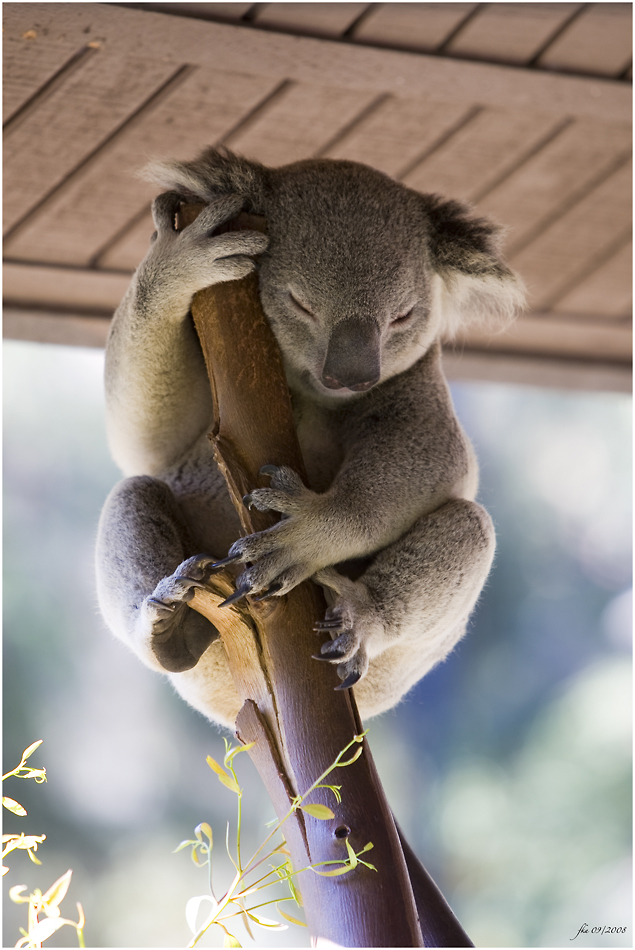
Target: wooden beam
pixel 462 363
pixel 85 292
pixel 546 372
pixel 64 329
pixel 223 46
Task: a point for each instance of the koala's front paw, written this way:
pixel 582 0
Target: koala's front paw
pixel 290 551
pixel 179 636
pixel 180 263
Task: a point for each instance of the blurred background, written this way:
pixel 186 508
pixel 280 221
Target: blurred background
pixel 508 767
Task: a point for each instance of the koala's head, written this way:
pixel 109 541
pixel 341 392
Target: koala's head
pixel 361 274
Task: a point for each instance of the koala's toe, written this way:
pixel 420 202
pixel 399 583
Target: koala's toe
pixel 180 645
pixel 352 671
pixel 268 499
pixel 164 208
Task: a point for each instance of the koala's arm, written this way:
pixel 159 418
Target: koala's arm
pixel 405 455
pixel 158 399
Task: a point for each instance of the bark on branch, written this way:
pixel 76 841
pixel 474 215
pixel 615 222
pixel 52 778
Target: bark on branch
pixel 291 710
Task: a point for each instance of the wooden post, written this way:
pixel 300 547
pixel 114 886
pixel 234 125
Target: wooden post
pixel 291 710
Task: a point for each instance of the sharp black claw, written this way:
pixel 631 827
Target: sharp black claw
pixel 160 603
pixel 327 624
pixel 231 559
pixel 328 657
pixel 237 595
pixel 350 680
pixel 190 580
pixel 269 470
pixel 269 592
pixel 332 654
pixel 248 500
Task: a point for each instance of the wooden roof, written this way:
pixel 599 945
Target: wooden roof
pixel 523 109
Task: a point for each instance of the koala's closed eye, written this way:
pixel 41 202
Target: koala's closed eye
pixel 403 317
pixel 299 306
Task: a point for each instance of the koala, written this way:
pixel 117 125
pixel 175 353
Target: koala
pixel 360 277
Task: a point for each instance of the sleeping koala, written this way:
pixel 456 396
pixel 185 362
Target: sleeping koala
pixel 359 278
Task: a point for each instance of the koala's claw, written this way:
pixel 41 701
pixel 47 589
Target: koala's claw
pixel 238 594
pixel 269 470
pixel 230 559
pixel 350 680
pixel 329 655
pixel 271 591
pixel 160 606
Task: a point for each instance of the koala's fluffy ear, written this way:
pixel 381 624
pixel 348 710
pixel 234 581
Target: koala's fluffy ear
pixel 215 172
pixel 477 287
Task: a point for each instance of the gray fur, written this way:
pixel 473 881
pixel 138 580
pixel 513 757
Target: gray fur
pixel 359 278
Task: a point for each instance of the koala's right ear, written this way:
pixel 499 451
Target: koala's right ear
pixel 215 172
pixel 477 285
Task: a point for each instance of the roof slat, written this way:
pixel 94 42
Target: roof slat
pixel 607 290
pixel 62 287
pixel 103 196
pixel 127 252
pixel 416 26
pixel 317 19
pixel 71 123
pixel 200 11
pixel 299 122
pixel 598 41
pixel 531 197
pixel 569 248
pixel 481 152
pixel 29 64
pixel 510 32
pixel 225 46
pixel 396 132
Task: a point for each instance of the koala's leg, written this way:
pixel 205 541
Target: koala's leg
pixel 411 605
pixel 146 575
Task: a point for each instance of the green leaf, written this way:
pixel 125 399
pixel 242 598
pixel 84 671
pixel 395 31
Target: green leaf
pixel 265 921
pixel 352 759
pixel 184 844
pixel 292 920
pixel 230 941
pixel 318 811
pixel 207 831
pixel 367 847
pixel 351 854
pixel 15 893
pixel 31 749
pixel 57 891
pixel 342 870
pixel 226 779
pixel 333 788
pixel 13 806
pixel 229 755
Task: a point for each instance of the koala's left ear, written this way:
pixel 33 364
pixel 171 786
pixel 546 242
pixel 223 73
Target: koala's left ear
pixel 477 286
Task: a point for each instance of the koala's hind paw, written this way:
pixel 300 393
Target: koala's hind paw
pixel 179 636
pixel 346 648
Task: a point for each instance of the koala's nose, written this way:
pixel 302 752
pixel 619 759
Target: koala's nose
pixel 353 357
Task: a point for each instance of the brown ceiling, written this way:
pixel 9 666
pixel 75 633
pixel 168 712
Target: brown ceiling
pixel 523 109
